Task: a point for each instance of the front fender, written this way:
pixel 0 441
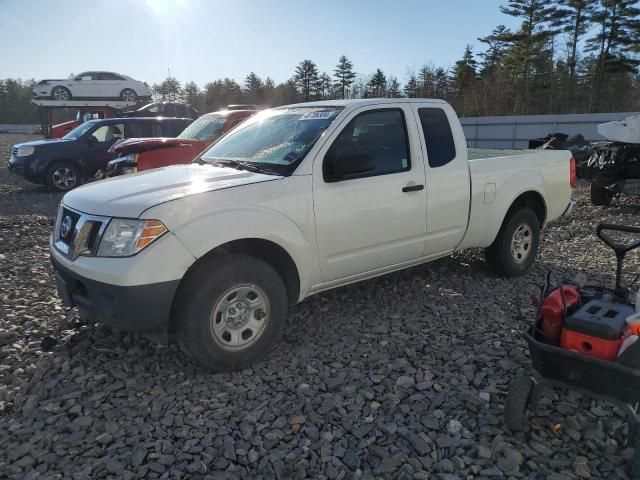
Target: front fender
pixel 202 233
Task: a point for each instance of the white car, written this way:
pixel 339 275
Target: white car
pixel 93 85
pixel 294 201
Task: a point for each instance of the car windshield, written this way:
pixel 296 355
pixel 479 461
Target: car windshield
pixel 205 129
pixel 274 140
pixel 78 131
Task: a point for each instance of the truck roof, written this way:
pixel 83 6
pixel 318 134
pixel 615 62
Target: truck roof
pixel 360 102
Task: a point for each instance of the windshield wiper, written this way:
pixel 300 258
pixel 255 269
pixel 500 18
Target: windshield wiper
pixel 250 167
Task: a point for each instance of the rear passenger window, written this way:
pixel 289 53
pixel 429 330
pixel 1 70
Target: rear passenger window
pixel 143 130
pixel 373 143
pixel 437 136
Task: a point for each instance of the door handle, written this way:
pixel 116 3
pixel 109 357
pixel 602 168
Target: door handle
pixel 413 188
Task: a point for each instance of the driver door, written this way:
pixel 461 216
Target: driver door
pixel 372 214
pixel 86 85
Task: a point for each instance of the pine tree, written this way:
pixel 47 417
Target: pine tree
pixel 323 87
pixel 377 85
pixel 344 76
pixel 574 18
pixel 497 44
pixel 306 78
pixel 168 90
pixel 537 17
pixel 254 88
pixel 411 88
pixel 615 44
pixel 192 93
pixel 393 88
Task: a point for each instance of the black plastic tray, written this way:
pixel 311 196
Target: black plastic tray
pixel 600 377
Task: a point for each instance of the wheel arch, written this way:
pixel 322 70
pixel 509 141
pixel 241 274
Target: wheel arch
pixel 266 250
pixel 532 199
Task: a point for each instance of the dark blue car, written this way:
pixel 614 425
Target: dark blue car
pixel 65 163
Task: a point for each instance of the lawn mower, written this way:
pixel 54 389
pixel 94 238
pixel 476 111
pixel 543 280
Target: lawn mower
pixel 580 340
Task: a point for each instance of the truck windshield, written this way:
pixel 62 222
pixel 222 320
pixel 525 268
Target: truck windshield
pixel 274 140
pixel 204 129
pixel 78 131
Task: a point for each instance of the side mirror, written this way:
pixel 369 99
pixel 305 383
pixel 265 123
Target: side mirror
pixel 342 167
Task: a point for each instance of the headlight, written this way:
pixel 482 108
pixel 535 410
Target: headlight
pixel 125 237
pixel 124 164
pixel 25 151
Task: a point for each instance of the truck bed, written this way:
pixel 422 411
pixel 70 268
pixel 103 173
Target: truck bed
pixel 480 153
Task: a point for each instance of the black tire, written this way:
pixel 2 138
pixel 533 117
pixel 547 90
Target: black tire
pixel 128 95
pixel 525 224
pixel 600 196
pixel 63 176
pixel 635 463
pixel 516 407
pixel 61 93
pixel 200 325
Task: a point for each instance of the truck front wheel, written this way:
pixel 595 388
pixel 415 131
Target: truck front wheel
pixel 514 249
pixel 230 311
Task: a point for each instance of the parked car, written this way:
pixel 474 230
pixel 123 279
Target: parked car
pixel 63 164
pixel 164 109
pixel 84 114
pixel 93 85
pixel 296 200
pixel 138 154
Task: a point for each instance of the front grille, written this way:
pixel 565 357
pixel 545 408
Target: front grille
pixel 77 233
pixel 66 228
pixel 15 151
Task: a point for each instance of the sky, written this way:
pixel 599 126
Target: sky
pixel 202 40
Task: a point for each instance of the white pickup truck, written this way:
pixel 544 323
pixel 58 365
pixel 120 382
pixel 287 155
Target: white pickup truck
pixel 296 200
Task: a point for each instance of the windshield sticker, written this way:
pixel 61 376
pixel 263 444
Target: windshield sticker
pixel 318 115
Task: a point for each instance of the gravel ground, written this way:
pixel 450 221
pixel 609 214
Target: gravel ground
pixel 403 376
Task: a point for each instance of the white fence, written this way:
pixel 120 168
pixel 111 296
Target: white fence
pixel 28 129
pixel 516 131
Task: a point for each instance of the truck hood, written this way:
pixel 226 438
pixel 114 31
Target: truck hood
pixel 137 145
pixel 130 195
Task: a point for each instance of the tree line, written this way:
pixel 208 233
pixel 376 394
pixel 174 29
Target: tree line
pixel 566 56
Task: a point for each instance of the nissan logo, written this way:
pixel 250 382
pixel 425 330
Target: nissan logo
pixel 65 226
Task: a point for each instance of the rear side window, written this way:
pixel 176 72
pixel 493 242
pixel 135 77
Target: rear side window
pixel 108 76
pixel 441 148
pixel 143 129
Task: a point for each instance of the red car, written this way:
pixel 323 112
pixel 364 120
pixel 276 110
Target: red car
pixel 138 154
pixel 84 114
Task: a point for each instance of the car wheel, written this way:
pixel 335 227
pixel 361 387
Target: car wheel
pixel 514 249
pixel 63 176
pixel 61 94
pixel 128 95
pixel 230 311
pixel 600 196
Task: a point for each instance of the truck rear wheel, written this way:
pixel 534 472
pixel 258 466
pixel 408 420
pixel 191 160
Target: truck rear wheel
pixel 230 311
pixel 600 196
pixel 514 249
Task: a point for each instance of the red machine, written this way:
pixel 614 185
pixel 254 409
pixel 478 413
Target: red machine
pixel 84 114
pixel 554 309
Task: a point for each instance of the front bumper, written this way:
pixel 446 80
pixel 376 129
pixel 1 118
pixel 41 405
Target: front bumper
pixel 20 167
pixel 140 308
